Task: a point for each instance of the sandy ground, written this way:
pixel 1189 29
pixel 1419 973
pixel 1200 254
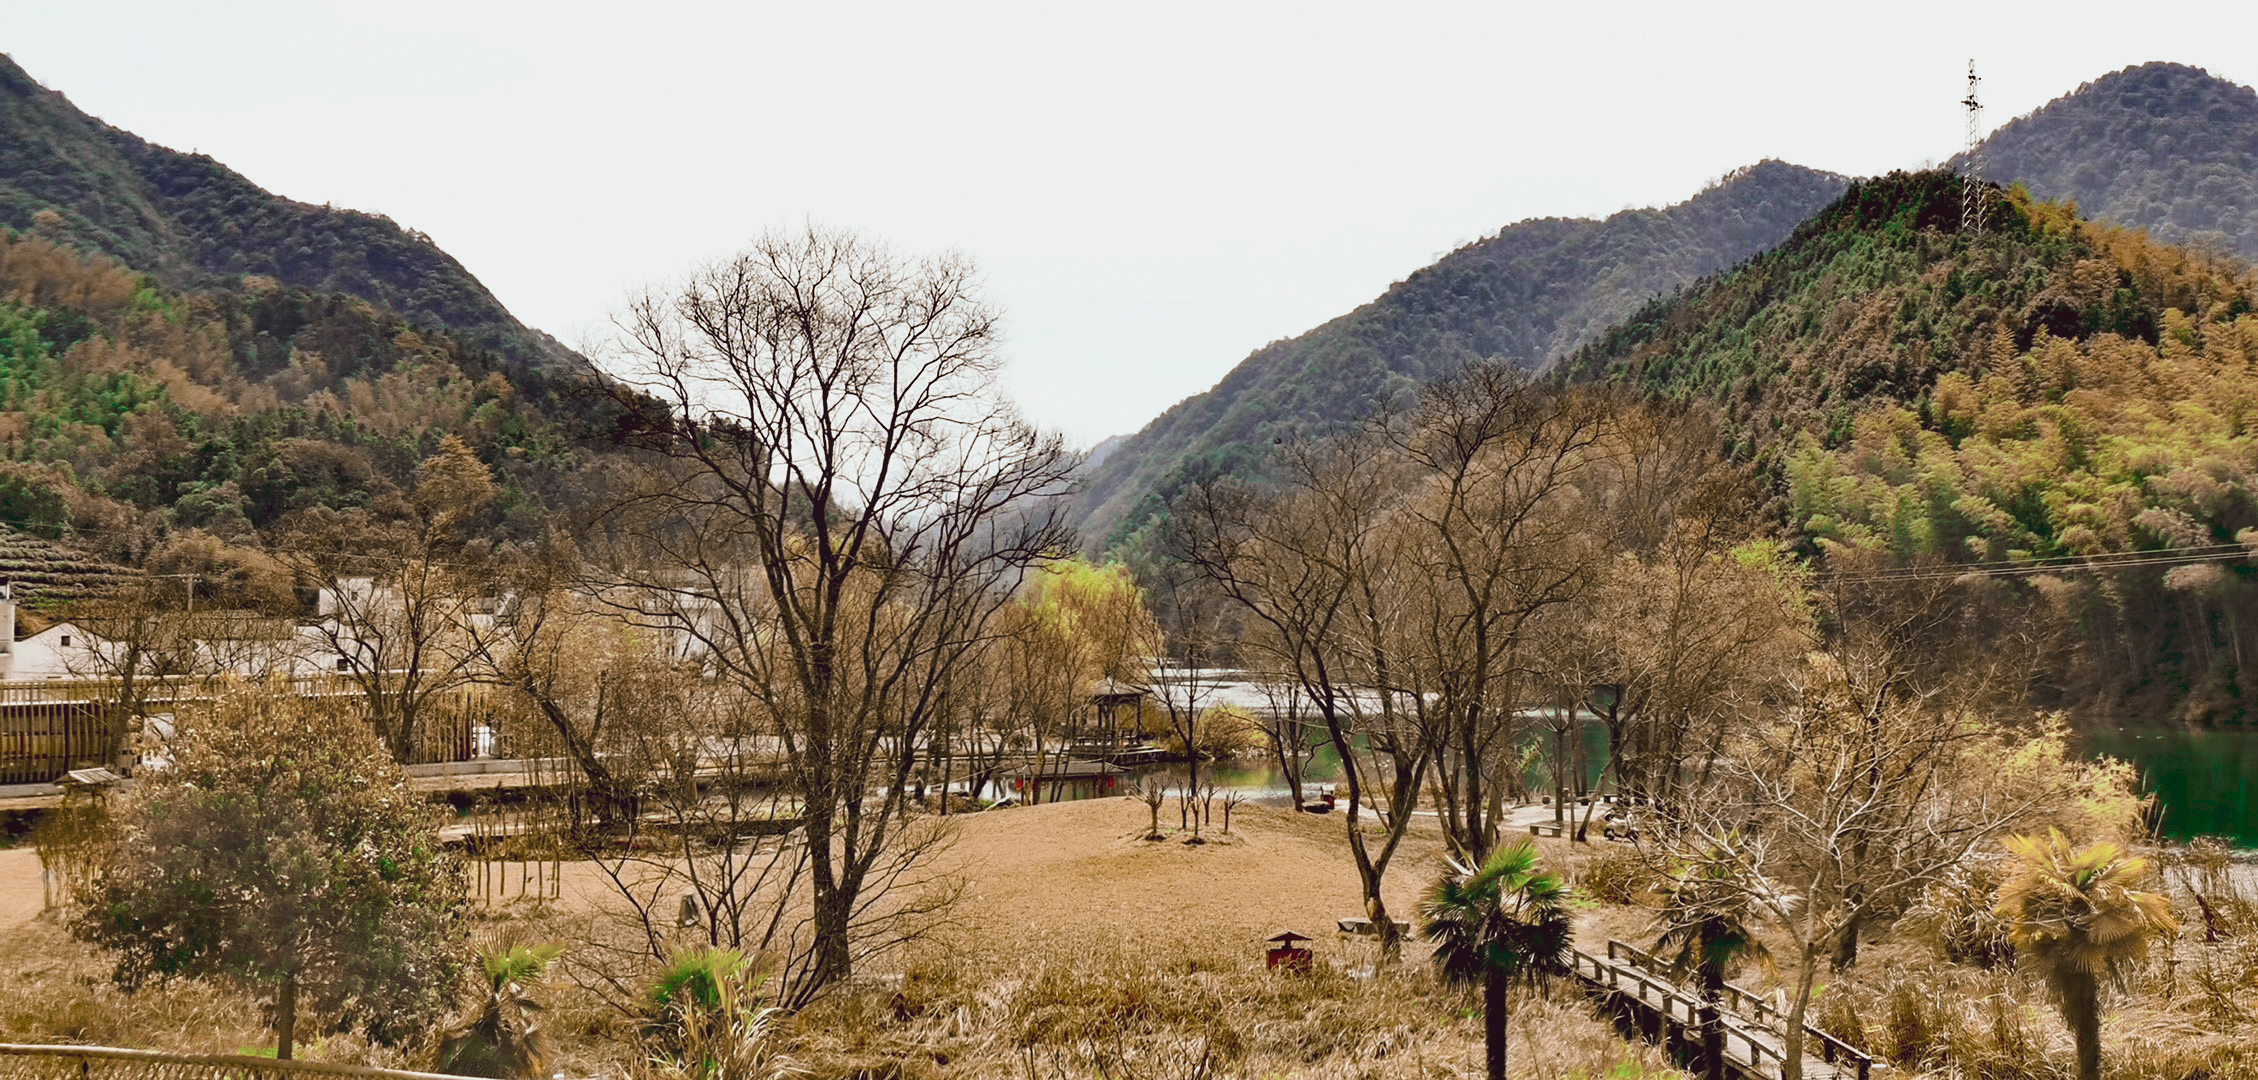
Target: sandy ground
pixel 20 894
pixel 1082 869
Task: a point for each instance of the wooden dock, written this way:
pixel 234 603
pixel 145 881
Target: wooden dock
pixel 1631 979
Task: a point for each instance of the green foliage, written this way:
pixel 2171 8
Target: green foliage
pixel 135 415
pixel 32 498
pixel 503 1040
pixel 697 979
pixel 1709 918
pixel 2077 919
pixel 281 846
pixel 1507 916
pixel 707 1021
pixel 2049 388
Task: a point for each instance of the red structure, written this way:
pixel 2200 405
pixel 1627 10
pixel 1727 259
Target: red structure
pixel 1286 953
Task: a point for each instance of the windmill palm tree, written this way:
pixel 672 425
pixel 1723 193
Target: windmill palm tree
pixel 1489 924
pixel 502 1040
pixel 2076 918
pixel 1707 918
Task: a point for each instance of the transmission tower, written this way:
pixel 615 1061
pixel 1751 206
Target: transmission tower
pixel 1972 191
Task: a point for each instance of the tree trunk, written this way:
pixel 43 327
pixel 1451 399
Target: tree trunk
pixel 1799 1007
pixel 1493 1021
pixel 2081 1008
pixel 831 905
pixel 1846 946
pixel 286 1017
pixel 1289 758
pixel 1712 1021
pixel 1560 777
pixel 1192 786
pixel 1383 924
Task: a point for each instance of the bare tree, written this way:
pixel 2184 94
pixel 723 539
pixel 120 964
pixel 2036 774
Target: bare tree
pixel 1176 656
pixel 717 852
pixel 1693 613
pixel 402 590
pixel 1286 727
pixel 1845 800
pixel 846 506
pixel 566 662
pixel 1308 561
pixel 1496 531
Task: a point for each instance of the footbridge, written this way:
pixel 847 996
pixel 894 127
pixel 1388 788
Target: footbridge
pixel 1641 988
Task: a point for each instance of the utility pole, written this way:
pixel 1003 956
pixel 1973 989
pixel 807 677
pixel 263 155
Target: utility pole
pixel 1973 201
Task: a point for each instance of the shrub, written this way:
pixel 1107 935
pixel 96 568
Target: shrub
pixel 335 883
pixel 1616 876
pixel 1955 914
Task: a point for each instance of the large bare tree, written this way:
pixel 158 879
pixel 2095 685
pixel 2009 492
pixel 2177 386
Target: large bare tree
pixel 1311 561
pixel 844 506
pixel 1497 530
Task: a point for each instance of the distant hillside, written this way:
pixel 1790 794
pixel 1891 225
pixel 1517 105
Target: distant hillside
pixel 2165 147
pixel 178 431
pixel 1529 294
pixel 2049 389
pixel 191 221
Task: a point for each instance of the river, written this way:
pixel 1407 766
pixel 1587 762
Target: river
pixel 2205 782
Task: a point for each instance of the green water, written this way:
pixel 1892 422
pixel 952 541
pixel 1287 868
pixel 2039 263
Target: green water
pixel 2205 782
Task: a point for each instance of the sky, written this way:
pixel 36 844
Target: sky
pixel 1151 190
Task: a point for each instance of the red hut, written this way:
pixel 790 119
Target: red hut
pixel 1286 951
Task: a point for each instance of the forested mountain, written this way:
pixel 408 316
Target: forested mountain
pixel 1528 294
pixel 2165 147
pixel 2048 389
pixel 192 222
pixel 176 430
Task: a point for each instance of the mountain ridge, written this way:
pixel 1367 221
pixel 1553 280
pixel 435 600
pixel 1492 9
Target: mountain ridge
pixel 1528 293
pixel 193 222
pixel 2183 162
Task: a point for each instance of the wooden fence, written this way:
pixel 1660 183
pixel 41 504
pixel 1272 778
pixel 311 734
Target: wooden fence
pixel 19 1061
pixel 49 728
pixel 41 740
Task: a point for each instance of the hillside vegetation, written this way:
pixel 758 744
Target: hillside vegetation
pixel 146 424
pixel 2049 388
pixel 1526 295
pixel 2165 147
pixel 194 222
pixel 2162 146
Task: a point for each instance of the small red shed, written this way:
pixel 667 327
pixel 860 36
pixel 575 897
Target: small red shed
pixel 1286 951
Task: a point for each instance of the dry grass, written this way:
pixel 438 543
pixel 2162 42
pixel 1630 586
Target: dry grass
pixel 1085 951
pixel 1114 1009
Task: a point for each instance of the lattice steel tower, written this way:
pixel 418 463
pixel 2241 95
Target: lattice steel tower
pixel 1972 191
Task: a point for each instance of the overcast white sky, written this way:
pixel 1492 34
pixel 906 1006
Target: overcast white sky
pixel 1153 189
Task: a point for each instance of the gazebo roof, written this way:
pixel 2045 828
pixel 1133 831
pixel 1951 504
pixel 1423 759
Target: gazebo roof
pixel 1108 688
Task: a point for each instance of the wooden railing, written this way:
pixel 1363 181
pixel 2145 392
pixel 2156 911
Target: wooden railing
pixel 1754 1006
pixel 49 728
pixel 28 1062
pixel 1677 1006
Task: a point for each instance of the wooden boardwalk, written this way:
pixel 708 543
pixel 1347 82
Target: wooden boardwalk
pixel 1631 978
